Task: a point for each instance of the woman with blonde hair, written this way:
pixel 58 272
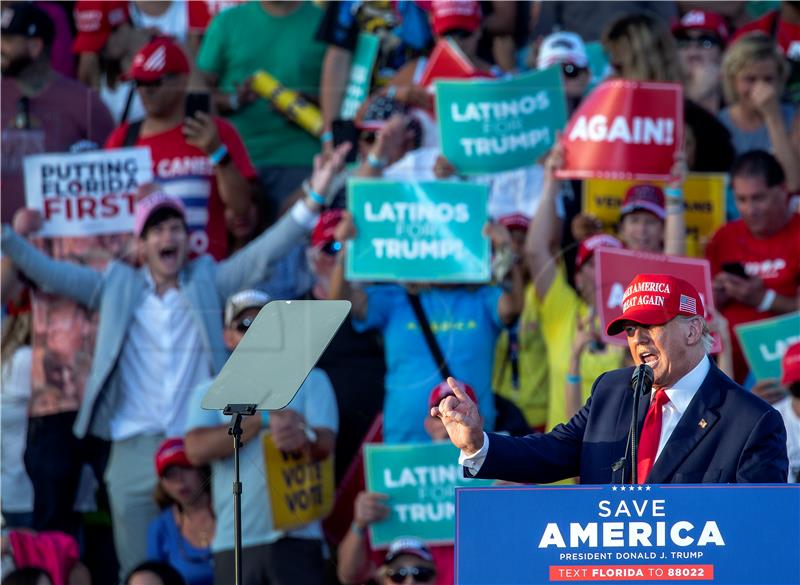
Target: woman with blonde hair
pixel 640 48
pixel 753 76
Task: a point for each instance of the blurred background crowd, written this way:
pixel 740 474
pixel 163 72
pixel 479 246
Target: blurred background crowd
pixel 111 470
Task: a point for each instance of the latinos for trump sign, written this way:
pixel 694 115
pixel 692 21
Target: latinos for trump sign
pixel 726 534
pixel 615 269
pixel 764 343
pixel 360 75
pixel 704 195
pixel 89 193
pixel 491 126
pixel 420 480
pixel 625 130
pixel 418 231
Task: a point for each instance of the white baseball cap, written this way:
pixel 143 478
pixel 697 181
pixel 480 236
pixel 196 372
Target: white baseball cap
pixel 562 47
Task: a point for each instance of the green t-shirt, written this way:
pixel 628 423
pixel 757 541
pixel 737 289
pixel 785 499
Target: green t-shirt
pixel 244 39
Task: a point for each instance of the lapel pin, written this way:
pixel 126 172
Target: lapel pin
pixel 702 424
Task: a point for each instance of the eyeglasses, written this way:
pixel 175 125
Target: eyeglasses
pixel 156 83
pixel 421 574
pixel 243 325
pixel 571 71
pixel 703 41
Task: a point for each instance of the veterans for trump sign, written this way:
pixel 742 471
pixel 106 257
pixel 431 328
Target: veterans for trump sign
pixel 411 231
pixel 498 125
pixel 88 193
pixel 704 199
pixel 625 130
pixel 615 269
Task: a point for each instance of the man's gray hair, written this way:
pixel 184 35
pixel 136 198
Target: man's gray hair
pixel 706 337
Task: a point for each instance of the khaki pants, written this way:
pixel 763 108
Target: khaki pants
pixel 130 481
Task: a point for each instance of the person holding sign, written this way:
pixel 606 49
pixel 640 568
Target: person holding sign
pixel 271 553
pixel 696 426
pixel 162 316
pixel 464 322
pixel 561 307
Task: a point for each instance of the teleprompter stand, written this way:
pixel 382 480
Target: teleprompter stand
pixel 266 370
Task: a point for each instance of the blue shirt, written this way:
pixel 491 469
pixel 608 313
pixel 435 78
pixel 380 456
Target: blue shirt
pixel 465 323
pixel 166 543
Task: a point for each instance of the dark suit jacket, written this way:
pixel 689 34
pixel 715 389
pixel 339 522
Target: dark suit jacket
pixel 743 439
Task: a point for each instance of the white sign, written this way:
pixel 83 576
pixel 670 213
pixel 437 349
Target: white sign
pixel 88 193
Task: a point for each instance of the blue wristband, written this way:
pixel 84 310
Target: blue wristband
pixel 674 193
pixel 316 197
pixel 326 137
pixel 573 379
pixel 375 163
pixel 219 154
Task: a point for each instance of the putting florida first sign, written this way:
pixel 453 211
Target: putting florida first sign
pixel 733 534
pixel 88 193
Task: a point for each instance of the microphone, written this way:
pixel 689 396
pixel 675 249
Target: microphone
pixel 642 380
pixel 641 384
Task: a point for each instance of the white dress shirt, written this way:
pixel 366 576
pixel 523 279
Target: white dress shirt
pixel 162 360
pixel 680 395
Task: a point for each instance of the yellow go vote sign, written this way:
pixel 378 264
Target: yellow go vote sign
pixel 300 489
pixel 704 193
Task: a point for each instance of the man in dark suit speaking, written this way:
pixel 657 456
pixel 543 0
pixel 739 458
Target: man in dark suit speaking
pixel 696 426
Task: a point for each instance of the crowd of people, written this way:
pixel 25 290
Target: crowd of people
pixel 110 343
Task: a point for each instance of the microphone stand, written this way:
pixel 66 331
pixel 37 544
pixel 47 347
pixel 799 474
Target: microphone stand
pixel 641 383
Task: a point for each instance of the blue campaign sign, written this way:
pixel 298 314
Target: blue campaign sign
pixel 738 534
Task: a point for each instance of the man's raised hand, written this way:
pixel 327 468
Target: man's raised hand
pixel 461 419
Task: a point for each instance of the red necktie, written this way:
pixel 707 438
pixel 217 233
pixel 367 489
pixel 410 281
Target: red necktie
pixel 651 435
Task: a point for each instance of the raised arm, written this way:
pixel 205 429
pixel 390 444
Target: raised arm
pixel 340 288
pixel 675 224
pixel 66 279
pixel 544 227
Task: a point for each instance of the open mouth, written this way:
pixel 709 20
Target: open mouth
pixel 648 358
pixel 168 253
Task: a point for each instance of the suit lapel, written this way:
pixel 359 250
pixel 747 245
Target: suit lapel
pixel 690 429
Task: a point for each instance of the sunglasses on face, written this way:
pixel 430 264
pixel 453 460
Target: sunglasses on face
pixel 243 325
pixel 571 71
pixel 156 83
pixel 703 41
pixel 421 574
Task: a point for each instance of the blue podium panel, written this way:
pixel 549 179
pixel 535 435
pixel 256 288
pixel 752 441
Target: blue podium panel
pixel 725 534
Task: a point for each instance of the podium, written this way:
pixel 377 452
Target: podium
pixel 737 534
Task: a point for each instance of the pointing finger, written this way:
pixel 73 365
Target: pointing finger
pixel 455 386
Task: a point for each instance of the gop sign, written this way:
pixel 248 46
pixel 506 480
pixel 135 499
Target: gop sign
pixel 625 130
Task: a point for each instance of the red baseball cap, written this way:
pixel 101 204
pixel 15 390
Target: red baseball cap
pixel 589 245
pixel 323 231
pixel 645 197
pixel 654 299
pixel 171 452
pixel 95 22
pixel 790 365
pixel 442 390
pixel 146 206
pixel 703 20
pixel 515 221
pixel 450 15
pixel 159 57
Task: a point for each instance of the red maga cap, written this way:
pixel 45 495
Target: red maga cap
pixel 654 299
pixel 442 390
pixel 157 58
pixel 647 198
pixel 703 20
pixel 515 221
pixel 589 245
pixel 790 366
pixel 171 452
pixel 455 14
pixel 322 233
